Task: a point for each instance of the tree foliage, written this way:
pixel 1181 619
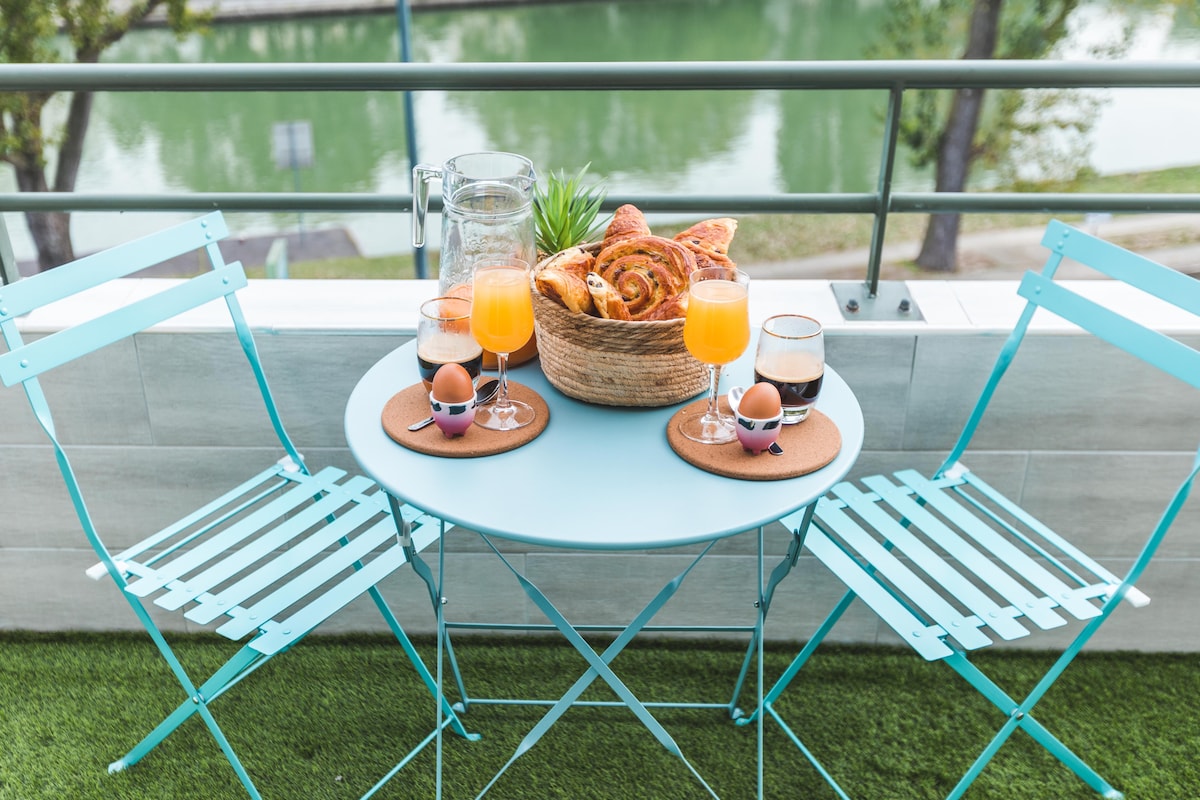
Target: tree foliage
pixel 53 31
pixel 1029 29
pixel 1042 129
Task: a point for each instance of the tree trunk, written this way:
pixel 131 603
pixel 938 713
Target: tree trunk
pixel 938 251
pixel 51 230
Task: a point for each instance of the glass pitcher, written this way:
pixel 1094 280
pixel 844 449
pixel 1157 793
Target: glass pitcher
pixel 487 210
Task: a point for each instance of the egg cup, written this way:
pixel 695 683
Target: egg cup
pixel 753 433
pixel 452 419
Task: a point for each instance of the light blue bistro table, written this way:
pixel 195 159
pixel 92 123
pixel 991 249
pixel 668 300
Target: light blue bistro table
pixel 532 494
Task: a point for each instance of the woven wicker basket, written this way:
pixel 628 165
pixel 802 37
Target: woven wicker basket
pixel 615 362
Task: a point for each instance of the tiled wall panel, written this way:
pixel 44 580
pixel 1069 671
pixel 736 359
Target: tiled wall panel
pixel 1101 467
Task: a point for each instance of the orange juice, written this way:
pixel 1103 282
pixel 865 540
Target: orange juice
pixel 717 327
pixel 501 308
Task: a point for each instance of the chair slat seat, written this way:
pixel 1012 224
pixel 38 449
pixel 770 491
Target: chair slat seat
pixel 281 635
pixel 224 539
pixel 945 574
pixel 211 604
pixel 284 534
pixel 903 527
pixel 1021 564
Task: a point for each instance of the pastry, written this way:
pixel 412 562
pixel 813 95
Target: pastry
pixel 628 222
pixel 573 260
pixel 709 242
pixel 608 300
pixel 567 289
pixel 712 235
pixel 636 275
pixel 648 271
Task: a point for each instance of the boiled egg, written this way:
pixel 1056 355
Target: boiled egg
pixel 452 384
pixel 761 401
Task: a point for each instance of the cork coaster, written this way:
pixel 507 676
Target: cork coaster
pixel 807 446
pixel 412 404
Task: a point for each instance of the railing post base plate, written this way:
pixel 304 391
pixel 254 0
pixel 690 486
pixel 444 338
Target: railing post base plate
pixel 892 302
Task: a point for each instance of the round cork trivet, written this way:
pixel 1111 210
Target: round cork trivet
pixel 412 404
pixel 807 446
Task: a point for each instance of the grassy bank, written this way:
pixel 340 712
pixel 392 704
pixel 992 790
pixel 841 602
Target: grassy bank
pixel 768 238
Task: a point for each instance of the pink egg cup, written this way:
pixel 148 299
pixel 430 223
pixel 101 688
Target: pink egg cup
pixel 452 418
pixel 754 434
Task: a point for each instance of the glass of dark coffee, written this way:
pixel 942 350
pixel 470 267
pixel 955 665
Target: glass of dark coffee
pixel 444 337
pixel 791 355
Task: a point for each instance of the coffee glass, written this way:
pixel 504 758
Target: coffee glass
pixel 791 355
pixel 444 337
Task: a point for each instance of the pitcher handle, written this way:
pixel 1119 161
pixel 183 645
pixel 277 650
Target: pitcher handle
pixel 422 175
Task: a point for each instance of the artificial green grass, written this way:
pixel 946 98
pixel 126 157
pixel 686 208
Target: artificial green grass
pixel 329 718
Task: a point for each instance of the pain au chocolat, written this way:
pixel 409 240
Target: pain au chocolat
pixel 635 275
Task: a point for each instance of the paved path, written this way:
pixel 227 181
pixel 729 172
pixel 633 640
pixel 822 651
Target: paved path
pixel 1007 253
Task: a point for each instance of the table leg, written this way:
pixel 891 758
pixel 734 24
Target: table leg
pixel 598 666
pixel 425 574
pixel 764 604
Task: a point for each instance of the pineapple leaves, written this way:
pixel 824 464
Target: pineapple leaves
pixel 565 211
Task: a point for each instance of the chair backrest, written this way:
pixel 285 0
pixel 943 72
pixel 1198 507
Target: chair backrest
pixel 26 361
pixel 1151 346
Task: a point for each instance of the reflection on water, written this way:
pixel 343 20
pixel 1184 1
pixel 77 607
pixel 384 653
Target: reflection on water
pixel 709 141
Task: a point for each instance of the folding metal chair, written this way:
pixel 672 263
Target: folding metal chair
pixel 272 558
pixel 949 563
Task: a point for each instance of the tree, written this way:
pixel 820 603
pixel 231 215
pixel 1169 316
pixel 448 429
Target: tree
pixel 957 130
pixel 48 31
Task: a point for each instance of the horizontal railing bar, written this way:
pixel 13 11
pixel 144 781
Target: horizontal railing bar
pixel 1035 202
pixel 862 203
pixel 653 75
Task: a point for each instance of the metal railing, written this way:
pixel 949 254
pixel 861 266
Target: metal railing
pixel 892 77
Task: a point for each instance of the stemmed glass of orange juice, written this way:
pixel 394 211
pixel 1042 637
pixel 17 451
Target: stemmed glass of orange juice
pixel 716 331
pixel 502 321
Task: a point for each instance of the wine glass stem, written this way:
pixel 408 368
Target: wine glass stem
pixel 502 402
pixel 712 392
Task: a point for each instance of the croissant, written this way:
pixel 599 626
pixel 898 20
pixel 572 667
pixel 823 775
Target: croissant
pixel 648 271
pixel 709 242
pixel 608 300
pixel 573 260
pixel 713 235
pixel 565 288
pixel 628 222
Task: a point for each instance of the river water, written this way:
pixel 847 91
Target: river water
pixel 740 142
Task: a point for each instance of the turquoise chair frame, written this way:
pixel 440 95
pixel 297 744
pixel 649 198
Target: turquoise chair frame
pixel 275 556
pixel 943 559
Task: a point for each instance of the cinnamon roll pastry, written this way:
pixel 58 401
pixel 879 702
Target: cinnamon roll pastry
pixel 609 302
pixel 565 288
pixel 671 308
pixel 628 222
pixel 648 271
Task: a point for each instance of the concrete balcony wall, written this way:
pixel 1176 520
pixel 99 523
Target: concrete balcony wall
pixel 1086 437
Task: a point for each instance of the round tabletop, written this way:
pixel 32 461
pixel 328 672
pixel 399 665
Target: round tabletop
pixel 598 477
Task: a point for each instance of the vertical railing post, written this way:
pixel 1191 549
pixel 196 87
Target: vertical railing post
pixel 8 262
pixel 404 25
pixel 883 194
